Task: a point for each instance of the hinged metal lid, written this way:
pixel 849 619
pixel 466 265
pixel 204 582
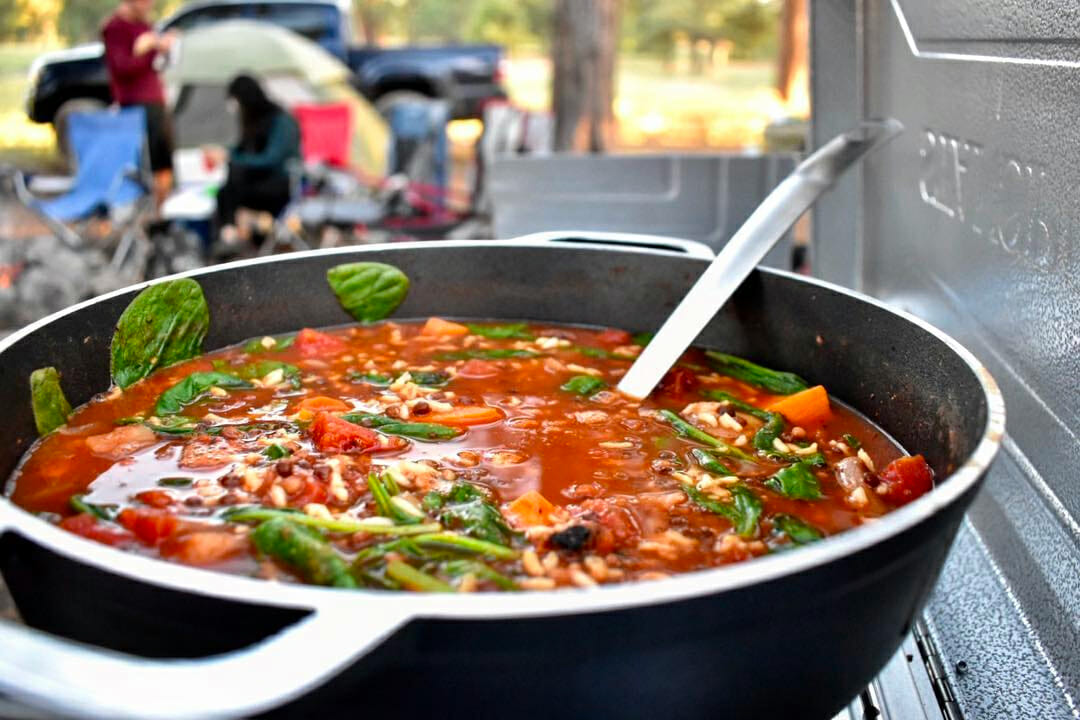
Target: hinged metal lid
pixel 970 220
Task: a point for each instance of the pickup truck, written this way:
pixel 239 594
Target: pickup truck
pixel 66 81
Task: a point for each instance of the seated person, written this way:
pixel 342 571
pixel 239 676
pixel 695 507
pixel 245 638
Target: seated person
pixel 258 177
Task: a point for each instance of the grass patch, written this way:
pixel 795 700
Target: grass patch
pixel 25 144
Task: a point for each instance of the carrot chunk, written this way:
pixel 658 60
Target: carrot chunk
pixel 807 408
pixel 532 508
pixel 311 406
pixel 438 326
pixel 464 416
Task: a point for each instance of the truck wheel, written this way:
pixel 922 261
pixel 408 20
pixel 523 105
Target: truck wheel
pixel 389 99
pixel 60 122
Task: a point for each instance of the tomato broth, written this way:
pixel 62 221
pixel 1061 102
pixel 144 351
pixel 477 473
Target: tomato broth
pixel 444 456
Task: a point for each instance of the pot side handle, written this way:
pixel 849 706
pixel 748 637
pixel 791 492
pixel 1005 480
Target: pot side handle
pixel 76 680
pixel 690 248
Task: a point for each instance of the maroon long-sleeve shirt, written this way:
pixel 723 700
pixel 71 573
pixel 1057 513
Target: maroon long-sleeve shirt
pixel 132 77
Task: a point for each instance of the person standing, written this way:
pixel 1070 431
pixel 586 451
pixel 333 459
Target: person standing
pixel 132 52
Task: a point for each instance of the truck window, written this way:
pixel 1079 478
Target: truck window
pixel 318 23
pixel 206 15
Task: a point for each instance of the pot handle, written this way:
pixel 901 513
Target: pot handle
pixel 77 680
pixel 691 248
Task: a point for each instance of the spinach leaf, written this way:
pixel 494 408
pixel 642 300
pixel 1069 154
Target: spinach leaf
pixel 687 430
pixel 467 509
pixel 710 463
pixel 595 352
pixel 384 490
pixel 304 551
pixel 744 510
pixel 813 459
pixel 194 387
pixel 740 405
pixel 164 324
pixel 584 385
pixel 416 580
pixel 259 370
pixel 769 432
pixel 431 379
pixel 775 381
pixel 796 482
pixel 370 378
pixel 643 338
pixel 462 543
pixel 276 452
pixel 173 425
pixel 514 331
pixel 487 354
pixel 851 441
pixel 178 481
pixel 800 532
pixel 414 430
pixel 457 568
pixel 258 514
pixel 51 408
pixel 102 512
pixel 276 343
pixel 369 291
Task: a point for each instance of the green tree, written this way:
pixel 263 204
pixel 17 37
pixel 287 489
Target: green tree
pixel 81 20
pixel 749 25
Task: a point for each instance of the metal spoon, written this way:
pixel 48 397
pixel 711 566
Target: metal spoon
pixel 765 226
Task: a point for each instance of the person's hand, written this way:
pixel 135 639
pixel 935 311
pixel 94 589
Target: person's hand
pixel 145 43
pixel 214 156
pixel 166 41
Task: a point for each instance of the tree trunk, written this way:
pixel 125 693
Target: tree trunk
pixel 794 45
pixel 585 33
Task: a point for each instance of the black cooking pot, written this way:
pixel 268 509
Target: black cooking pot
pixel 790 635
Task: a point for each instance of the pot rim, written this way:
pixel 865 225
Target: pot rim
pixel 528 604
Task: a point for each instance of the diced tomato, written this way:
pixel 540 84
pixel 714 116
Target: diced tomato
pixel 615 337
pixel 156 498
pixel 204 547
pixel 905 479
pixel 678 381
pixel 90 527
pixel 313 492
pixel 615 528
pixel 150 525
pixel 476 369
pixel 312 343
pixel 332 434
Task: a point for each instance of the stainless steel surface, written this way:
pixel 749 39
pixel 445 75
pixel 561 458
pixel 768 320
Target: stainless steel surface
pixel 748 246
pixel 703 197
pixel 537 280
pixel 972 222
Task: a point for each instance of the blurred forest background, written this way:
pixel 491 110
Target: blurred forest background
pixel 687 74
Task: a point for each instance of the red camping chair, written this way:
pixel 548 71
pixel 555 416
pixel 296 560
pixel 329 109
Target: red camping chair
pixel 325 133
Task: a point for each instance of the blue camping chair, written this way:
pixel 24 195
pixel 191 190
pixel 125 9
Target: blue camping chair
pixel 111 174
pixel 108 147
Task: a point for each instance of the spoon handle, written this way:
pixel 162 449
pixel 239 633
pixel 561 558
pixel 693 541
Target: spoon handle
pixel 765 226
